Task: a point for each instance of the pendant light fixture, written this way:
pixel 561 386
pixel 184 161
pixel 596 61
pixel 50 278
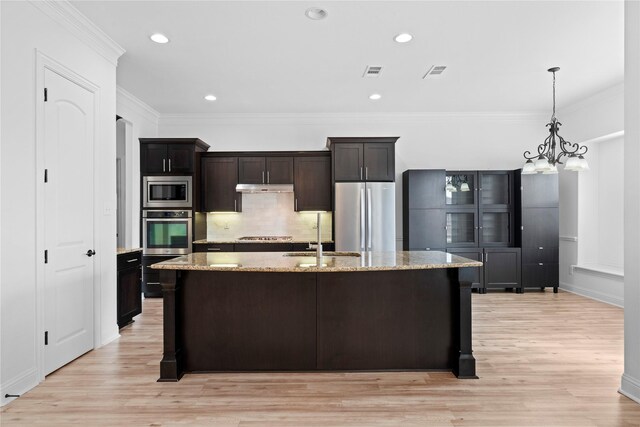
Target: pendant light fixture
pixel 547 160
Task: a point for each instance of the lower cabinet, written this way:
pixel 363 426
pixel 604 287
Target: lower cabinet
pixel 258 247
pixel 151 278
pixel 501 268
pixel 129 294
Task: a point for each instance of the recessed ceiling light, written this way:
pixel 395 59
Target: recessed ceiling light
pixel 159 38
pixel 403 38
pixel 316 13
pixel 210 97
pixel 375 96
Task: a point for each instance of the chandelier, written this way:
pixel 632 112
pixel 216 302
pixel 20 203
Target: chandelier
pixel 456 182
pixel 547 160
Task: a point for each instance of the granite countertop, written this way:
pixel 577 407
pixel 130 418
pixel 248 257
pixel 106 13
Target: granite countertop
pixel 205 241
pixel 278 262
pixel 122 251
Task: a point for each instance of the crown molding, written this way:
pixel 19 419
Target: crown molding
pixel 311 118
pixel 65 14
pixel 614 91
pixel 129 100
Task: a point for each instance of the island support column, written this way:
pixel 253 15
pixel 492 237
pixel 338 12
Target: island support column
pixel 171 365
pixel 465 368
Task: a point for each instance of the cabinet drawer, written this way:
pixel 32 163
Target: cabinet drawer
pixel 130 259
pixel 263 247
pixel 540 275
pixel 544 254
pixel 213 247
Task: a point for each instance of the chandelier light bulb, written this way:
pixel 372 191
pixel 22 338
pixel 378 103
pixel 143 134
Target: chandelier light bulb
pixel 583 163
pixel 464 187
pixel 572 164
pixel 542 164
pixel 552 170
pixel 528 168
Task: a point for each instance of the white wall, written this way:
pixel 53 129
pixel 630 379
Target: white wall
pixel 592 120
pixel 439 141
pixel 26 27
pixel 142 123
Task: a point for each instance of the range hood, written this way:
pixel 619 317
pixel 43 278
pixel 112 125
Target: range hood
pixel 264 188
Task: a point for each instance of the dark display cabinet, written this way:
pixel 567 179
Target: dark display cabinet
pixel 363 159
pixel 129 292
pixel 169 156
pixel 469 213
pixel 537 229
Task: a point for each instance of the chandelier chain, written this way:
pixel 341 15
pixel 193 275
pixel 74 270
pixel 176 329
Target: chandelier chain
pixel 553 116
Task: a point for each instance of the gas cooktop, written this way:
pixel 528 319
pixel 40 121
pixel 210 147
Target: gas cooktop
pixel 268 238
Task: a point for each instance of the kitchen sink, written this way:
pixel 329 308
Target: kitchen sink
pixel 327 253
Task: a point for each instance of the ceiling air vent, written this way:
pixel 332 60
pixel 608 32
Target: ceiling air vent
pixel 435 72
pixel 372 71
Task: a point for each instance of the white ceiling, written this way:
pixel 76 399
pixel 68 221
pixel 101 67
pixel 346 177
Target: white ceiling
pixel 267 57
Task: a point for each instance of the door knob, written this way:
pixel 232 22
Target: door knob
pixel 90 253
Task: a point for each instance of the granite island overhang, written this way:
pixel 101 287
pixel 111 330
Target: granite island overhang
pixel 274 311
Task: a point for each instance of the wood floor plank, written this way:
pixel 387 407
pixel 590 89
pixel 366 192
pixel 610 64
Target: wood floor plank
pixel 543 359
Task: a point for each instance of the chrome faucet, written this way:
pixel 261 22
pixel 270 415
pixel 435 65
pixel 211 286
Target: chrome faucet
pixel 318 245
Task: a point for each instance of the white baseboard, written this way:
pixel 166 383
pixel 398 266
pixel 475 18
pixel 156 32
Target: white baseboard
pixel 630 387
pixel 596 295
pixel 110 339
pixel 19 385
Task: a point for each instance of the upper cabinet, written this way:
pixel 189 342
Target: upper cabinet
pixel 363 159
pixel 219 177
pixel 312 183
pixel 265 170
pixel 170 156
pixel 495 189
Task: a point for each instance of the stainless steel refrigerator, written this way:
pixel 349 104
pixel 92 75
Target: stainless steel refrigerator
pixel 365 216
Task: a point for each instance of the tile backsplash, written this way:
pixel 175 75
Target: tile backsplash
pixel 268 214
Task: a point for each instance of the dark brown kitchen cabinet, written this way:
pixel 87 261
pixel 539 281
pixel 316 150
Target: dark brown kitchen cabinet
pixel 263 247
pixel 129 282
pixel 151 278
pixel 213 247
pixel 363 159
pixel 475 275
pixel 424 189
pixel 312 183
pixel 171 156
pixel 265 170
pixel 428 229
pixel 219 177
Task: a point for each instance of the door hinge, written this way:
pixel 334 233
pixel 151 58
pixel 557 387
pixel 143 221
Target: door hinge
pixel 45 94
pixel 46 175
pixel 46 337
pixel 46 256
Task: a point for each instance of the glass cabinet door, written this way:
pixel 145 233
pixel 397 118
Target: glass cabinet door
pixel 460 189
pixel 495 188
pixel 495 229
pixel 461 229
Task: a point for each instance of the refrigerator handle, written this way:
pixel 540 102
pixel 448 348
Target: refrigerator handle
pixel 369 218
pixel 362 244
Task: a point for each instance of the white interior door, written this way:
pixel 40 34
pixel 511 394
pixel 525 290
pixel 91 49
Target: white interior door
pixel 68 211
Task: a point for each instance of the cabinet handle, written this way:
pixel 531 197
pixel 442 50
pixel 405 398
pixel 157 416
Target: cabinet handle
pixel 133 260
pixel 169 165
pixel 235 205
pixel 361 173
pixel 164 165
pixel 540 248
pixel 267 177
pixel 296 208
pixel 427 249
pixel 486 257
pixel 153 283
pixel 541 263
pixel 366 173
pixel 214 249
pixel 263 177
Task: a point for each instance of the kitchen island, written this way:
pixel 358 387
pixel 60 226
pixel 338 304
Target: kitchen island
pixel 288 312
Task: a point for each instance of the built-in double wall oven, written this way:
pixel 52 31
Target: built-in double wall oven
pixel 166 232
pixel 166 192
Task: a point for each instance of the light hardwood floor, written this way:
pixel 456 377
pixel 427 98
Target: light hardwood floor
pixel 543 360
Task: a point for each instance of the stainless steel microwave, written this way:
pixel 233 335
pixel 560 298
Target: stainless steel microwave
pixel 167 192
